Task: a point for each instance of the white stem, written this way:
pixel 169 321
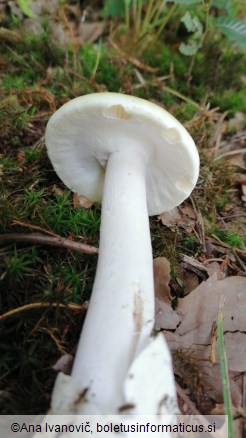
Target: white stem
pixel 121 312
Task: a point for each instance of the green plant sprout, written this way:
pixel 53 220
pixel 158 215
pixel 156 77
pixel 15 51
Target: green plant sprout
pixel 20 265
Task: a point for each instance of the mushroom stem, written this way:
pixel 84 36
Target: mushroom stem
pixel 121 312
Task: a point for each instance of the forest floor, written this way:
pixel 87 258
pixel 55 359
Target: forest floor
pixel 68 49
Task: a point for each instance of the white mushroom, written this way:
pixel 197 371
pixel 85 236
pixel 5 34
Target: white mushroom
pixel 138 160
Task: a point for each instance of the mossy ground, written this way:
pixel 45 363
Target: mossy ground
pixel 37 77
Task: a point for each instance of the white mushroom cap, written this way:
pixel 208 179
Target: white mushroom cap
pixel 82 134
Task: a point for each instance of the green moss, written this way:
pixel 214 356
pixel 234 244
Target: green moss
pixel 185 112
pixel 61 217
pixel 230 100
pixel 221 203
pixel 232 238
pixel 13 116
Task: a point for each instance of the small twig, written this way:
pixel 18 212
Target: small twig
pixel 180 96
pixel 35 227
pixel 200 224
pixel 153 82
pixel 231 153
pixel 187 400
pixel 59 242
pixel 193 262
pixel 194 411
pixel 244 391
pixel 131 59
pixel 232 216
pixel 215 141
pixel 225 245
pixel 75 307
pixel 39 142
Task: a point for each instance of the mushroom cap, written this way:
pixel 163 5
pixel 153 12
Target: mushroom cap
pixel 82 134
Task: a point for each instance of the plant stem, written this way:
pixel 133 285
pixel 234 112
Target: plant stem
pixel 181 96
pixel 147 18
pixel 203 36
pixel 164 23
pixel 127 16
pixel 224 372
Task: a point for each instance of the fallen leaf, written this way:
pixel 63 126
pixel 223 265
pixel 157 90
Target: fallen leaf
pixel 198 311
pixel 165 316
pixel 183 216
pixel 162 294
pixel 190 281
pixel 244 192
pixel 237 160
pixel 171 218
pixel 215 268
pixel 188 210
pixel 237 123
pixel 90 32
pixel 81 201
pixel 162 278
pixel 64 364
pixel 57 191
pixel 20 156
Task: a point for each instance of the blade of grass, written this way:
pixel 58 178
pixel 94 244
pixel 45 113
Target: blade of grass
pixel 224 371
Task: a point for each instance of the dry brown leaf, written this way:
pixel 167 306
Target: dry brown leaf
pixel 171 218
pixel 215 268
pixel 57 191
pixel 198 312
pixel 190 281
pixel 162 294
pixel 244 192
pixel 64 364
pixel 237 123
pixel 184 216
pixel 165 316
pixel 237 160
pixel 90 32
pixel 188 210
pixel 162 278
pixel 20 156
pixel 81 201
pixel 194 338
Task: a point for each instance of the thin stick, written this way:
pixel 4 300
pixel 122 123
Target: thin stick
pixel 75 307
pixel 180 95
pixel 225 245
pixel 131 59
pixel 187 400
pixel 59 242
pixel 35 227
pixel 231 153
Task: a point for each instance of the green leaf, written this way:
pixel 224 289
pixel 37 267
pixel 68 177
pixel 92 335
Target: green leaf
pixel 227 5
pixel 189 49
pixel 192 24
pixel 187 20
pixel 235 30
pixel 24 7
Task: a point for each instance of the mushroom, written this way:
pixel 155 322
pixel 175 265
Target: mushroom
pixel 137 160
